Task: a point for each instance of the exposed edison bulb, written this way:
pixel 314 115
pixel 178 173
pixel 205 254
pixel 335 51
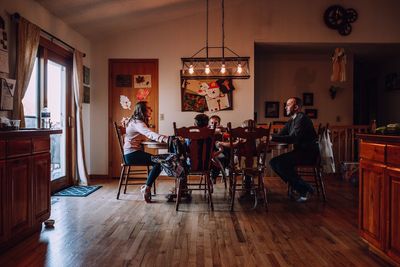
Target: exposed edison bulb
pixel 207 69
pixel 191 69
pixel 239 68
pixel 223 69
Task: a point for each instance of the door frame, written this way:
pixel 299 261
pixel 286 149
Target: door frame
pixel 110 106
pixel 50 51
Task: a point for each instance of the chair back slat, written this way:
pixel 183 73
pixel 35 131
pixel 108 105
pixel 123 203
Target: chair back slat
pixel 200 143
pixel 120 132
pixel 253 142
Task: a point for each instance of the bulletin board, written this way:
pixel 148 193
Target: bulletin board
pixel 207 95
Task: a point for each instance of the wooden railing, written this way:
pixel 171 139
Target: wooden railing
pixel 344 142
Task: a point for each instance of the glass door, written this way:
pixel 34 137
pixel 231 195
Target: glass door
pixel 49 91
pixel 56 104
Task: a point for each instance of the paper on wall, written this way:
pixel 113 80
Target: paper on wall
pixel 218 103
pixel 4 61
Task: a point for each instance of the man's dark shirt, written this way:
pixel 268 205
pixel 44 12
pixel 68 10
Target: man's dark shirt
pixel 298 131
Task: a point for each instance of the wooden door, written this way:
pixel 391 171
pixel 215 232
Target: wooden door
pixel 129 82
pixel 20 200
pixel 41 187
pixel 393 194
pixel 371 201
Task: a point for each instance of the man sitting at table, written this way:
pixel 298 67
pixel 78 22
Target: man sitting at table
pixel 300 132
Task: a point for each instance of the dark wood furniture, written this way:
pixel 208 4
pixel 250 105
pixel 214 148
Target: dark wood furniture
pixel 249 147
pixel 24 183
pixel 379 202
pixel 200 143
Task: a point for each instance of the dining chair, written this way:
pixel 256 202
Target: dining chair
pixel 250 147
pixel 199 142
pixel 129 174
pixel 312 173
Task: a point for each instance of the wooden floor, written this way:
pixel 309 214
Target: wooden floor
pixel 99 230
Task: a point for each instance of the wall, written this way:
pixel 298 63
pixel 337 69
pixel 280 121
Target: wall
pixel 388 100
pixel 246 22
pixel 38 15
pixel 280 76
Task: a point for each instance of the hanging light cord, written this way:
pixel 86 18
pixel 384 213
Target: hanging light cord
pixel 207 31
pixel 223 30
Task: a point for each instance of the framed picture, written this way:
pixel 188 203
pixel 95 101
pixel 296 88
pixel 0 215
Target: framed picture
pixel 86 75
pixel 311 113
pixel 308 99
pixel 271 109
pixel 392 81
pixel 86 94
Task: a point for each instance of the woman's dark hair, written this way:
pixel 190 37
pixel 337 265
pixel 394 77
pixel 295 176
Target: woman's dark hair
pixel 201 120
pixel 139 112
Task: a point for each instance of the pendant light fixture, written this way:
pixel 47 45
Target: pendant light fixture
pixel 207 67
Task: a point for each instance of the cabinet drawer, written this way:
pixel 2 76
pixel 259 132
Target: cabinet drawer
pixel 375 152
pixel 19 147
pixel 393 155
pixel 2 149
pixel 41 144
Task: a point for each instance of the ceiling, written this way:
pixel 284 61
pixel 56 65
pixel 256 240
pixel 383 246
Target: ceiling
pixel 95 19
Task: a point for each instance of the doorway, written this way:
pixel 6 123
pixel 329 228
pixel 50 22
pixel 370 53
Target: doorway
pixel 130 81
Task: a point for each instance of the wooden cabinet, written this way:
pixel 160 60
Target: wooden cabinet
pixel 379 198
pixel 24 183
pixel 393 231
pixel 371 197
pixel 41 187
pixel 19 188
pixel 3 198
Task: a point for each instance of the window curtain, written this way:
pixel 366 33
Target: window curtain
pixel 81 176
pixel 27 47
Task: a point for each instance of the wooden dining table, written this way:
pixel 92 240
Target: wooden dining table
pixel 155 144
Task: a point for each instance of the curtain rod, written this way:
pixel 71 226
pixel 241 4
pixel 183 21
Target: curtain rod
pixel 16 16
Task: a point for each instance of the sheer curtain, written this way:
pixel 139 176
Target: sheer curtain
pixel 27 47
pixel 81 176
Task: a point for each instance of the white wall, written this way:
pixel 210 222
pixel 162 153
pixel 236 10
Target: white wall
pixel 280 76
pixel 247 21
pixel 38 15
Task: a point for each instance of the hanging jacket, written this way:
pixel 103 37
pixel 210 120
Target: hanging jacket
pixel 173 162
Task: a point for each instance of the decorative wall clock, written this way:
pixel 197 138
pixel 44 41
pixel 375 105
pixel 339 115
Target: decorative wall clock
pixel 339 18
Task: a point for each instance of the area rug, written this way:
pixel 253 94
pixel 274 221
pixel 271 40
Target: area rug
pixel 77 191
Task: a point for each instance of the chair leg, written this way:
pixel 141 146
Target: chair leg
pixel 209 189
pixel 317 181
pixel 178 194
pixel 263 190
pixel 233 189
pixel 121 178
pixel 126 180
pixel 321 182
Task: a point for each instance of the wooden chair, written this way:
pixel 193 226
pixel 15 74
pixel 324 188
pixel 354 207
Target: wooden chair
pixel 200 145
pixel 313 171
pixel 248 159
pixel 127 172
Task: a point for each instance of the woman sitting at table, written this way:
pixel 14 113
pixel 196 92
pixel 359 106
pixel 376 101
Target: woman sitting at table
pixel 137 130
